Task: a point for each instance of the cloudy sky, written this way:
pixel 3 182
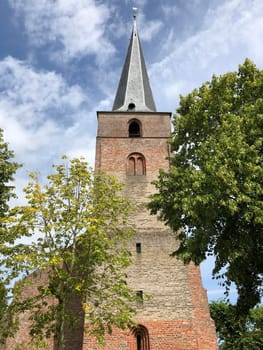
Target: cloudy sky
pixel 60 62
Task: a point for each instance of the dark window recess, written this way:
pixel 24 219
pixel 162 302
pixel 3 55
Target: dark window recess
pixel 134 129
pixel 141 338
pixel 138 248
pixel 139 295
pixel 139 342
pixel 131 107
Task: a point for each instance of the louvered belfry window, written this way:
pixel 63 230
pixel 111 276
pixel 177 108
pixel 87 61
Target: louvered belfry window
pixel 135 128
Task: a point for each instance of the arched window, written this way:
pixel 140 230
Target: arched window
pixel 140 166
pixel 136 164
pixel 134 128
pixel 140 339
pixel 131 165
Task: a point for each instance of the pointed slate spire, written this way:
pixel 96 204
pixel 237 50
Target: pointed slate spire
pixel 134 92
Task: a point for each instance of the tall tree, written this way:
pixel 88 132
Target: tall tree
pixel 79 224
pixel 212 195
pixel 7 170
pixel 235 332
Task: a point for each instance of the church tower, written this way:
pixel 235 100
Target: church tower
pixel 132 145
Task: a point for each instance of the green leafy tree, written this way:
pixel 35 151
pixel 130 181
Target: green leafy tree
pixel 7 170
pixel 245 333
pixel 212 195
pixel 78 222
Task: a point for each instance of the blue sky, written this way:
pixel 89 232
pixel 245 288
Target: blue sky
pixel 60 62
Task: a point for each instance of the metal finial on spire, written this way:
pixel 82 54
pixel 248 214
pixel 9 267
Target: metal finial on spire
pixel 134 9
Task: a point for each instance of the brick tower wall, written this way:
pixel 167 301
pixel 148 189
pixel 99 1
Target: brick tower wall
pixel 22 339
pixel 176 316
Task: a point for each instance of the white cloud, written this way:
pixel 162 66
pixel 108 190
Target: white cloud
pixel 140 4
pixel 72 27
pixel 170 10
pixel 150 29
pixel 231 32
pixel 37 110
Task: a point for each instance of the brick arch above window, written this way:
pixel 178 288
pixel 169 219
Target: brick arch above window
pixel 136 164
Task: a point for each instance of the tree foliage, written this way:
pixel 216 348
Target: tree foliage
pixel 78 225
pixel 235 332
pixel 212 195
pixel 7 170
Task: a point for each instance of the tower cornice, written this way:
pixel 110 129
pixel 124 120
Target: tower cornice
pixel 133 114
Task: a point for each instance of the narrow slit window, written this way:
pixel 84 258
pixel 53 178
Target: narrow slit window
pixel 138 248
pixel 139 295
